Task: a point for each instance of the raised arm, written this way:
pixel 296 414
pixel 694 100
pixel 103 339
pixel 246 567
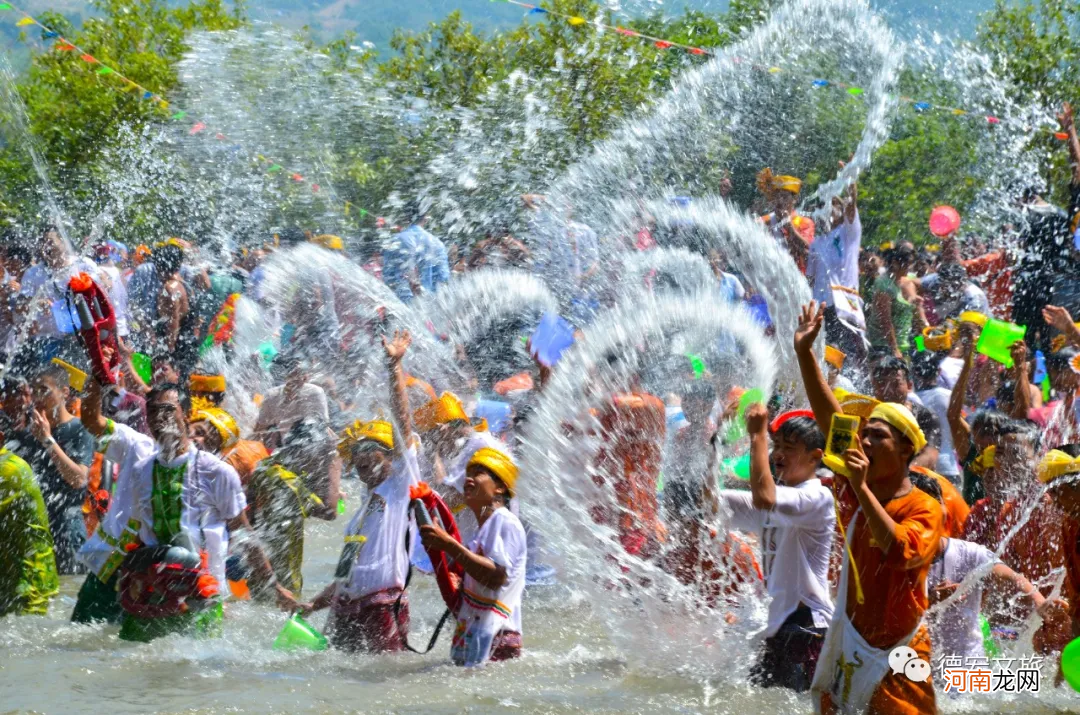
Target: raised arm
pixel 958 426
pixel 762 484
pixel 399 396
pixel 1022 396
pixel 1060 318
pixel 822 401
pixel 90 411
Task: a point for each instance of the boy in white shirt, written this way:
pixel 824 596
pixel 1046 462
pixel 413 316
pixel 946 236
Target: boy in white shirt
pixel 489 614
pixel 796 522
pixel 369 606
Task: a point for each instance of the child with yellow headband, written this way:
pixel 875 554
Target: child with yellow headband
pixel 892 537
pixel 1060 471
pixel 489 617
pixel 369 609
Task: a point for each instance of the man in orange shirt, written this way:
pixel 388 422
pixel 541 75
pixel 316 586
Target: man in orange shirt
pixel 892 539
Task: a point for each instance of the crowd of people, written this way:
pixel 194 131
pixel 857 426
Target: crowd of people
pixel 129 460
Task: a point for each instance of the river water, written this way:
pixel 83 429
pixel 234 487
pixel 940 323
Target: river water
pixel 570 665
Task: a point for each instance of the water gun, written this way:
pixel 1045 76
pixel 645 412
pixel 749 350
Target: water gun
pixel 97 327
pixel 425 502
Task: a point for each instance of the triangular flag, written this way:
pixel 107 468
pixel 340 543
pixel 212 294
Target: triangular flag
pixel 575 20
pixel 314 188
pixel 179 115
pixel 130 86
pixel 537 11
pixel 663 44
pixel 64 46
pixel 363 213
pixel 697 51
pixel 625 31
pixel 993 120
pixel 105 70
pixel 26 21
pixel 88 58
pixel 921 106
pixel 296 177
pixel 347 205
pixel 958 112
pixel 1063 136
pixel 163 105
pixel 148 95
pixel 50 34
pixel 820 83
pixel 196 128
pixel 774 70
pixel 4 6
pixel 854 91
pixel 219 136
pixel 275 168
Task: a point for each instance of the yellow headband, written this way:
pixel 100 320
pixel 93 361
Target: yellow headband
pixel 1056 463
pixel 901 418
pixel 447 408
pixel 207 383
pixel 499 464
pixel 223 422
pixel 854 404
pixel 377 431
pixel 330 241
pixel 835 357
pixel 767 182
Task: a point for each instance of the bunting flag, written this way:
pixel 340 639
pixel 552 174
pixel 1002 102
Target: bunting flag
pixel 26 21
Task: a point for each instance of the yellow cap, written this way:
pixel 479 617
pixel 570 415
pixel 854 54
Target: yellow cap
pixel 901 418
pixel 223 422
pixel 447 408
pixel 1056 463
pixel 330 241
pixel 835 357
pixel 498 463
pixel 206 383
pixel 76 377
pixel 854 404
pixel 973 316
pixel 377 431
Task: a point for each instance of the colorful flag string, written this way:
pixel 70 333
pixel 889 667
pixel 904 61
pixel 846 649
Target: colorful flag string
pixel 577 21
pixel 62 44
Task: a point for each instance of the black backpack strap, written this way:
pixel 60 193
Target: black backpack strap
pixel 397 607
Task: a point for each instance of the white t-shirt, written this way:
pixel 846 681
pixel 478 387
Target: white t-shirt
pixel 834 260
pixel 796 538
pixel 278 414
pixel 212 496
pixel 484 611
pixel 955 630
pixel 936 399
pixel 949 372
pixel 382 561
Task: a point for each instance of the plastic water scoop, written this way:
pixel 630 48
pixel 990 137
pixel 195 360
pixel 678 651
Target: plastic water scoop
pixel 739 466
pixel 1070 664
pixel 141 363
pixel 553 335
pixel 997 338
pixel 944 220
pixel 298 634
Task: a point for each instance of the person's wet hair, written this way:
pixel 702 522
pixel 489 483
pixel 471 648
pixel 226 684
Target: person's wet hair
pixel 989 421
pixel 1060 360
pixel 168 259
pixel 55 374
pixel 1026 430
pixel 1073 450
pixel 928 485
pixel 160 393
pixel 803 430
pixel 925 367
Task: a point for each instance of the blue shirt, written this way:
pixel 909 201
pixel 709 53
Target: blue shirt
pixel 415 249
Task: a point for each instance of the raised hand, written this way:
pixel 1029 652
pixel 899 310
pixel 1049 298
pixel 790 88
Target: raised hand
pixel 398 345
pixel 757 418
pixel 1058 317
pixel 1019 353
pixel 811 318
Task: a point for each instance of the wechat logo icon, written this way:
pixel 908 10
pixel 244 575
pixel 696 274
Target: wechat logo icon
pixel 905 660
